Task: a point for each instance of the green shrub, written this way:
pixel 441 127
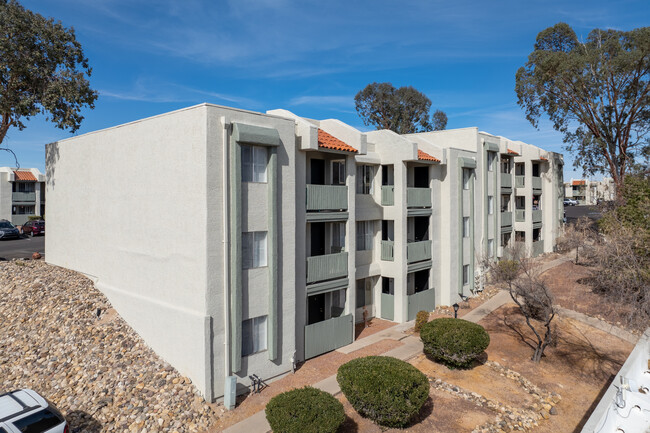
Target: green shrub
pixel 420 319
pixel 304 410
pixel 456 342
pixel 387 390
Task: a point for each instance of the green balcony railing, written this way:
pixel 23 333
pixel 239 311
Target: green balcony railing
pixel 520 215
pixel 421 301
pixel 387 306
pixel 537 182
pixel 327 267
pixel 538 248
pixel 23 197
pixel 506 219
pixel 506 180
pixel 387 252
pixel 418 251
pixel 327 197
pixel 418 197
pixel 519 181
pixel 387 195
pixel 328 335
pixel 537 216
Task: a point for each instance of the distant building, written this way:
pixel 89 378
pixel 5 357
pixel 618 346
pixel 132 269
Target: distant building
pixel 236 243
pixel 22 194
pixel 589 192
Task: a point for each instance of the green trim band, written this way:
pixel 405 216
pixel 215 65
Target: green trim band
pixel 258 135
pixel 314 217
pixel 491 147
pixel 419 266
pixel 328 286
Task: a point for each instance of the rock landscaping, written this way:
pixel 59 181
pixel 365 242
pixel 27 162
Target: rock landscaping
pixel 92 366
pixel 508 418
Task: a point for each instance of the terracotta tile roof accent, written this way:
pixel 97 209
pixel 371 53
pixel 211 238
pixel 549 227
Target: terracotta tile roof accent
pixel 328 141
pixel 512 152
pixel 423 156
pixel 543 158
pixel 579 182
pixel 25 175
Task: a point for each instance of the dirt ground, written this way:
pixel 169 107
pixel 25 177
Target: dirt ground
pixel 567 282
pixel 578 368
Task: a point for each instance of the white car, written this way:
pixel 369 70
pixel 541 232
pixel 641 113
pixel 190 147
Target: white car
pixel 570 202
pixel 24 411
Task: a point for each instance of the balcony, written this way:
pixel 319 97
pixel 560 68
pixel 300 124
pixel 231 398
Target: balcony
pixel 327 267
pixel 327 197
pixel 519 181
pixel 388 306
pixel 538 248
pixel 506 219
pixel 418 251
pixel 387 250
pixel 537 183
pixel 20 197
pixel 418 197
pixel 421 301
pixel 387 195
pixel 506 180
pixel 537 216
pixel 520 215
pixel 328 335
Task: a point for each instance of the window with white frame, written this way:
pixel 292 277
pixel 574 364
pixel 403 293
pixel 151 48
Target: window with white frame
pixel 253 335
pixel 465 227
pixel 365 179
pixel 491 157
pixel 253 163
pixel 467 176
pixel 465 275
pixel 338 172
pixel 253 249
pixel 365 235
pixel 490 205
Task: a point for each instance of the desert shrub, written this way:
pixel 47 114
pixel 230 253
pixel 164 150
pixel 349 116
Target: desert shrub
pixel 420 319
pixel 304 410
pixel 456 342
pixel 387 390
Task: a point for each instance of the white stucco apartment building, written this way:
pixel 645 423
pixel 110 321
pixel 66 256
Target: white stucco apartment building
pixel 589 192
pixel 261 239
pixel 22 194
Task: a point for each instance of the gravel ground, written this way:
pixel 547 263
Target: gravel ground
pixel 97 371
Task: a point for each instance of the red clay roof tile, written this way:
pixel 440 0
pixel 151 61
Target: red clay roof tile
pixel 423 156
pixel 25 175
pixel 328 141
pixel 512 152
pixel 579 182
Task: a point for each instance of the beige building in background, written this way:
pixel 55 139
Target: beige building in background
pixel 22 194
pixel 589 192
pixel 268 236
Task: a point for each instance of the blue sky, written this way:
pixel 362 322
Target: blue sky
pixel 153 56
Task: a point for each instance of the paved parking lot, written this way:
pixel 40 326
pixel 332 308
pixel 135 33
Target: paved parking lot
pixel 575 212
pixel 22 248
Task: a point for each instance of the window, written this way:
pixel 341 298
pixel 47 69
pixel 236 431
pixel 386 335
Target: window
pixel 364 292
pixel 365 177
pixel 40 421
pixel 24 186
pixel 253 249
pixel 23 210
pixel 520 236
pixel 505 165
pixel 365 234
pixel 253 161
pixel 490 205
pixel 338 172
pixel 253 335
pixel 467 175
pixel 387 286
pixel 536 202
pixel 465 275
pixel 505 202
pixel 465 227
pixel 535 169
pixel 490 247
pixel 505 240
pixel 338 237
pixel 537 235
pixel 491 157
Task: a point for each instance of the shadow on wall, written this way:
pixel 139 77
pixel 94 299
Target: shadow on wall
pixel 51 158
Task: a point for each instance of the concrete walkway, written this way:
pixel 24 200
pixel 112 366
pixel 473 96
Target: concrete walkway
pixel 410 348
pixel 599 324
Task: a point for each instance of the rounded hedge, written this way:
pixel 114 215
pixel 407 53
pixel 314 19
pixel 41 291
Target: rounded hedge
pixel 304 410
pixel 387 390
pixel 456 342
